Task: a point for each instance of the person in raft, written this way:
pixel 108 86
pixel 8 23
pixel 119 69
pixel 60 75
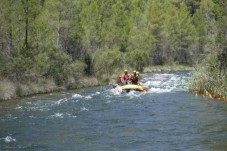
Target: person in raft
pixel 125 78
pixel 135 78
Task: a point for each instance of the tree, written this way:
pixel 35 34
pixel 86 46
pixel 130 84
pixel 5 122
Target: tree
pixel 204 22
pixel 108 61
pixel 221 39
pixel 30 9
pixel 139 36
pixel 7 27
pixel 180 34
pixel 155 20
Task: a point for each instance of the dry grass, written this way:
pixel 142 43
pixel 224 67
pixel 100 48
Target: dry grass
pixel 7 90
pixel 43 86
pixel 88 82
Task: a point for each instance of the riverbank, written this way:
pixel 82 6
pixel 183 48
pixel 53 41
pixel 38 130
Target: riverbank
pixel 13 90
pixel 210 83
pixel 209 80
pixel 10 90
pixel 213 85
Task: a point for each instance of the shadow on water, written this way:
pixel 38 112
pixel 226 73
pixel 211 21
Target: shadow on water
pixel 164 118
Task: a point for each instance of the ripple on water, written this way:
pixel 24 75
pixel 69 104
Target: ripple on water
pixel 94 118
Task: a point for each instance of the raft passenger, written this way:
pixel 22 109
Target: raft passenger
pixel 135 78
pixel 125 77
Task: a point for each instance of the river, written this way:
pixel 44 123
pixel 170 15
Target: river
pixel 166 117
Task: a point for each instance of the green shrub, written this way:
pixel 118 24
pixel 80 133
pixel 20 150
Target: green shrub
pixel 137 59
pixel 106 62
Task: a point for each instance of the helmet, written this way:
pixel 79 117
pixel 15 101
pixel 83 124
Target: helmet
pixel 134 71
pixel 126 70
pixel 137 72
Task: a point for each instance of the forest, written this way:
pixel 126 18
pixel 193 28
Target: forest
pixel 47 45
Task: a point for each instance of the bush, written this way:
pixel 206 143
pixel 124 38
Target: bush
pixel 75 71
pixel 106 62
pixel 137 59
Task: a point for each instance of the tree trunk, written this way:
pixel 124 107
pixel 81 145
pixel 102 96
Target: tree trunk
pixel 26 22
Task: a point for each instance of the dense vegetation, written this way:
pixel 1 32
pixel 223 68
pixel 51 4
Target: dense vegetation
pixel 47 44
pixel 210 77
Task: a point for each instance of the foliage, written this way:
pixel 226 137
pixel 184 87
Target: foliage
pixel 64 40
pixel 108 61
pixel 211 78
pixel 137 59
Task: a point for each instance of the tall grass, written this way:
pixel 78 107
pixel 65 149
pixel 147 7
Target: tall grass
pixel 209 80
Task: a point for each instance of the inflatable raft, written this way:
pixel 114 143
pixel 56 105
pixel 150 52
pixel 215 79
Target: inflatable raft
pixel 130 87
pixel 134 87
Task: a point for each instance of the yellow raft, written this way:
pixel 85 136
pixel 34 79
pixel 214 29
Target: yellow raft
pixel 134 87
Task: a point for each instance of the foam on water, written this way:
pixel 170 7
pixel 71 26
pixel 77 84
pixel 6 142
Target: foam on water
pixel 116 91
pixel 77 96
pixel 18 107
pixel 70 115
pixel 8 139
pixel 61 101
pixel 57 115
pixel 134 94
pixel 62 115
pixel 83 109
pixel 159 90
pixel 97 93
pixel 38 108
pixel 88 97
pixel 164 83
pixel 158 83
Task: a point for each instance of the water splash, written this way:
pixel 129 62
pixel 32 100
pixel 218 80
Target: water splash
pixel 88 97
pixel 18 107
pixel 77 96
pixel 8 139
pixel 83 109
pixel 61 101
pixel 164 83
pixel 57 115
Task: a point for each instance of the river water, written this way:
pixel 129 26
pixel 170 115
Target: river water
pixel 166 117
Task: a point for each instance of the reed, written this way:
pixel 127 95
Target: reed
pixel 209 80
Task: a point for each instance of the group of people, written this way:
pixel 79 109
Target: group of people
pixel 129 79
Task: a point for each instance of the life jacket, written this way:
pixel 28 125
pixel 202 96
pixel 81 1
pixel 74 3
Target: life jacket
pixel 135 79
pixel 125 77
